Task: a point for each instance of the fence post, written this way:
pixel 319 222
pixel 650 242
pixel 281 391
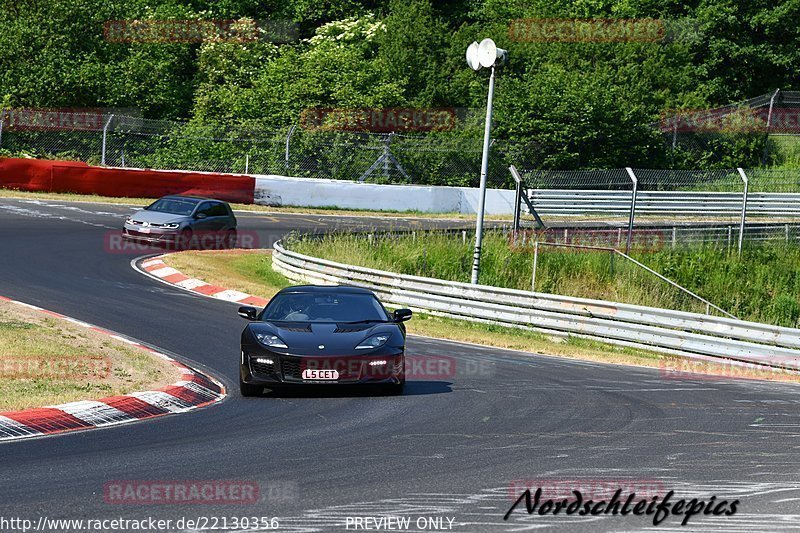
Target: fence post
pixel 517 199
pixel 247 163
pixel 769 126
pixel 675 134
pixel 2 119
pixel 535 260
pixel 105 132
pixel 635 182
pixel 522 195
pixel 286 153
pixel 612 262
pixel 744 207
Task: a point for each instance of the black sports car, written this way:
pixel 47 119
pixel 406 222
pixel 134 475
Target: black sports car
pixel 322 335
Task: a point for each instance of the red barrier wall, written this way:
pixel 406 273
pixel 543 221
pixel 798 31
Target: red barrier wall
pixel 75 177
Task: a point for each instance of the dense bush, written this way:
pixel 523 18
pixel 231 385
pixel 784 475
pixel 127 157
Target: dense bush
pixel 558 105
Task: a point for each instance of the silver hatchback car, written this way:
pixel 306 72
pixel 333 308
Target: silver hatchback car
pixel 183 222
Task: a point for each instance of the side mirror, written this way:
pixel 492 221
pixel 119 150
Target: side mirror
pixel 250 313
pixel 200 216
pixel 401 315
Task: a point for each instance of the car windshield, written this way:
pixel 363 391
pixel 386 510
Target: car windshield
pixel 174 206
pixel 322 307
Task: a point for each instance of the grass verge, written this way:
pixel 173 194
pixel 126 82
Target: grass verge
pixel 47 361
pixel 763 285
pixel 251 271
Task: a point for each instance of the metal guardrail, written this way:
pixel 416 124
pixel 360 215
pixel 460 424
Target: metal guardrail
pixel 679 203
pixel 663 330
pixel 664 195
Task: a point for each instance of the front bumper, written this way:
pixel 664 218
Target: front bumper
pixel 153 236
pixel 287 370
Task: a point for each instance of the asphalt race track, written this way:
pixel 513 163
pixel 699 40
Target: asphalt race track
pixel 451 447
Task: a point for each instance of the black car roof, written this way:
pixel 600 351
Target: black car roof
pixel 326 289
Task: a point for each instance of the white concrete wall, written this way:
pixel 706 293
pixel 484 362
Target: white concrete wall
pixel 310 192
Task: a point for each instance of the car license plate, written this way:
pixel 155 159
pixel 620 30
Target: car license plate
pixel 320 375
pixel 144 230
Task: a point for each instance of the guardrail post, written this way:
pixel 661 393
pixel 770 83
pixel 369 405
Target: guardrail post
pixel 535 261
pixel 744 207
pixel 105 132
pixel 635 182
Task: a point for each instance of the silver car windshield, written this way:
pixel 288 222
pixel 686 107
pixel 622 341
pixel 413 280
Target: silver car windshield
pixel 173 206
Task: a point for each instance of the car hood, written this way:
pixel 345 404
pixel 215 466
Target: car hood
pixel 156 217
pixel 337 339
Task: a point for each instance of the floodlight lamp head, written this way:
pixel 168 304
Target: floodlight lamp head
pixel 490 55
pixel 472 56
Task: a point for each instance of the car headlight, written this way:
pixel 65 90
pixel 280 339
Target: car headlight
pixel 273 341
pixel 374 341
pixel 174 225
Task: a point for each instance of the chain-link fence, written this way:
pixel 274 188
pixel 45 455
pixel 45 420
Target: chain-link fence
pixel 643 207
pixel 441 158
pixel 764 131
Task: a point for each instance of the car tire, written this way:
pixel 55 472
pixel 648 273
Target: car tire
pixel 185 238
pixel 230 239
pixel 248 390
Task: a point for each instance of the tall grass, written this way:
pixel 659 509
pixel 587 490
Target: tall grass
pixel 764 285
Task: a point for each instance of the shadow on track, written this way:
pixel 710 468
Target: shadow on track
pixel 412 388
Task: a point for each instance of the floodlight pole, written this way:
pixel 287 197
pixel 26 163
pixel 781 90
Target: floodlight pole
pixel 487 132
